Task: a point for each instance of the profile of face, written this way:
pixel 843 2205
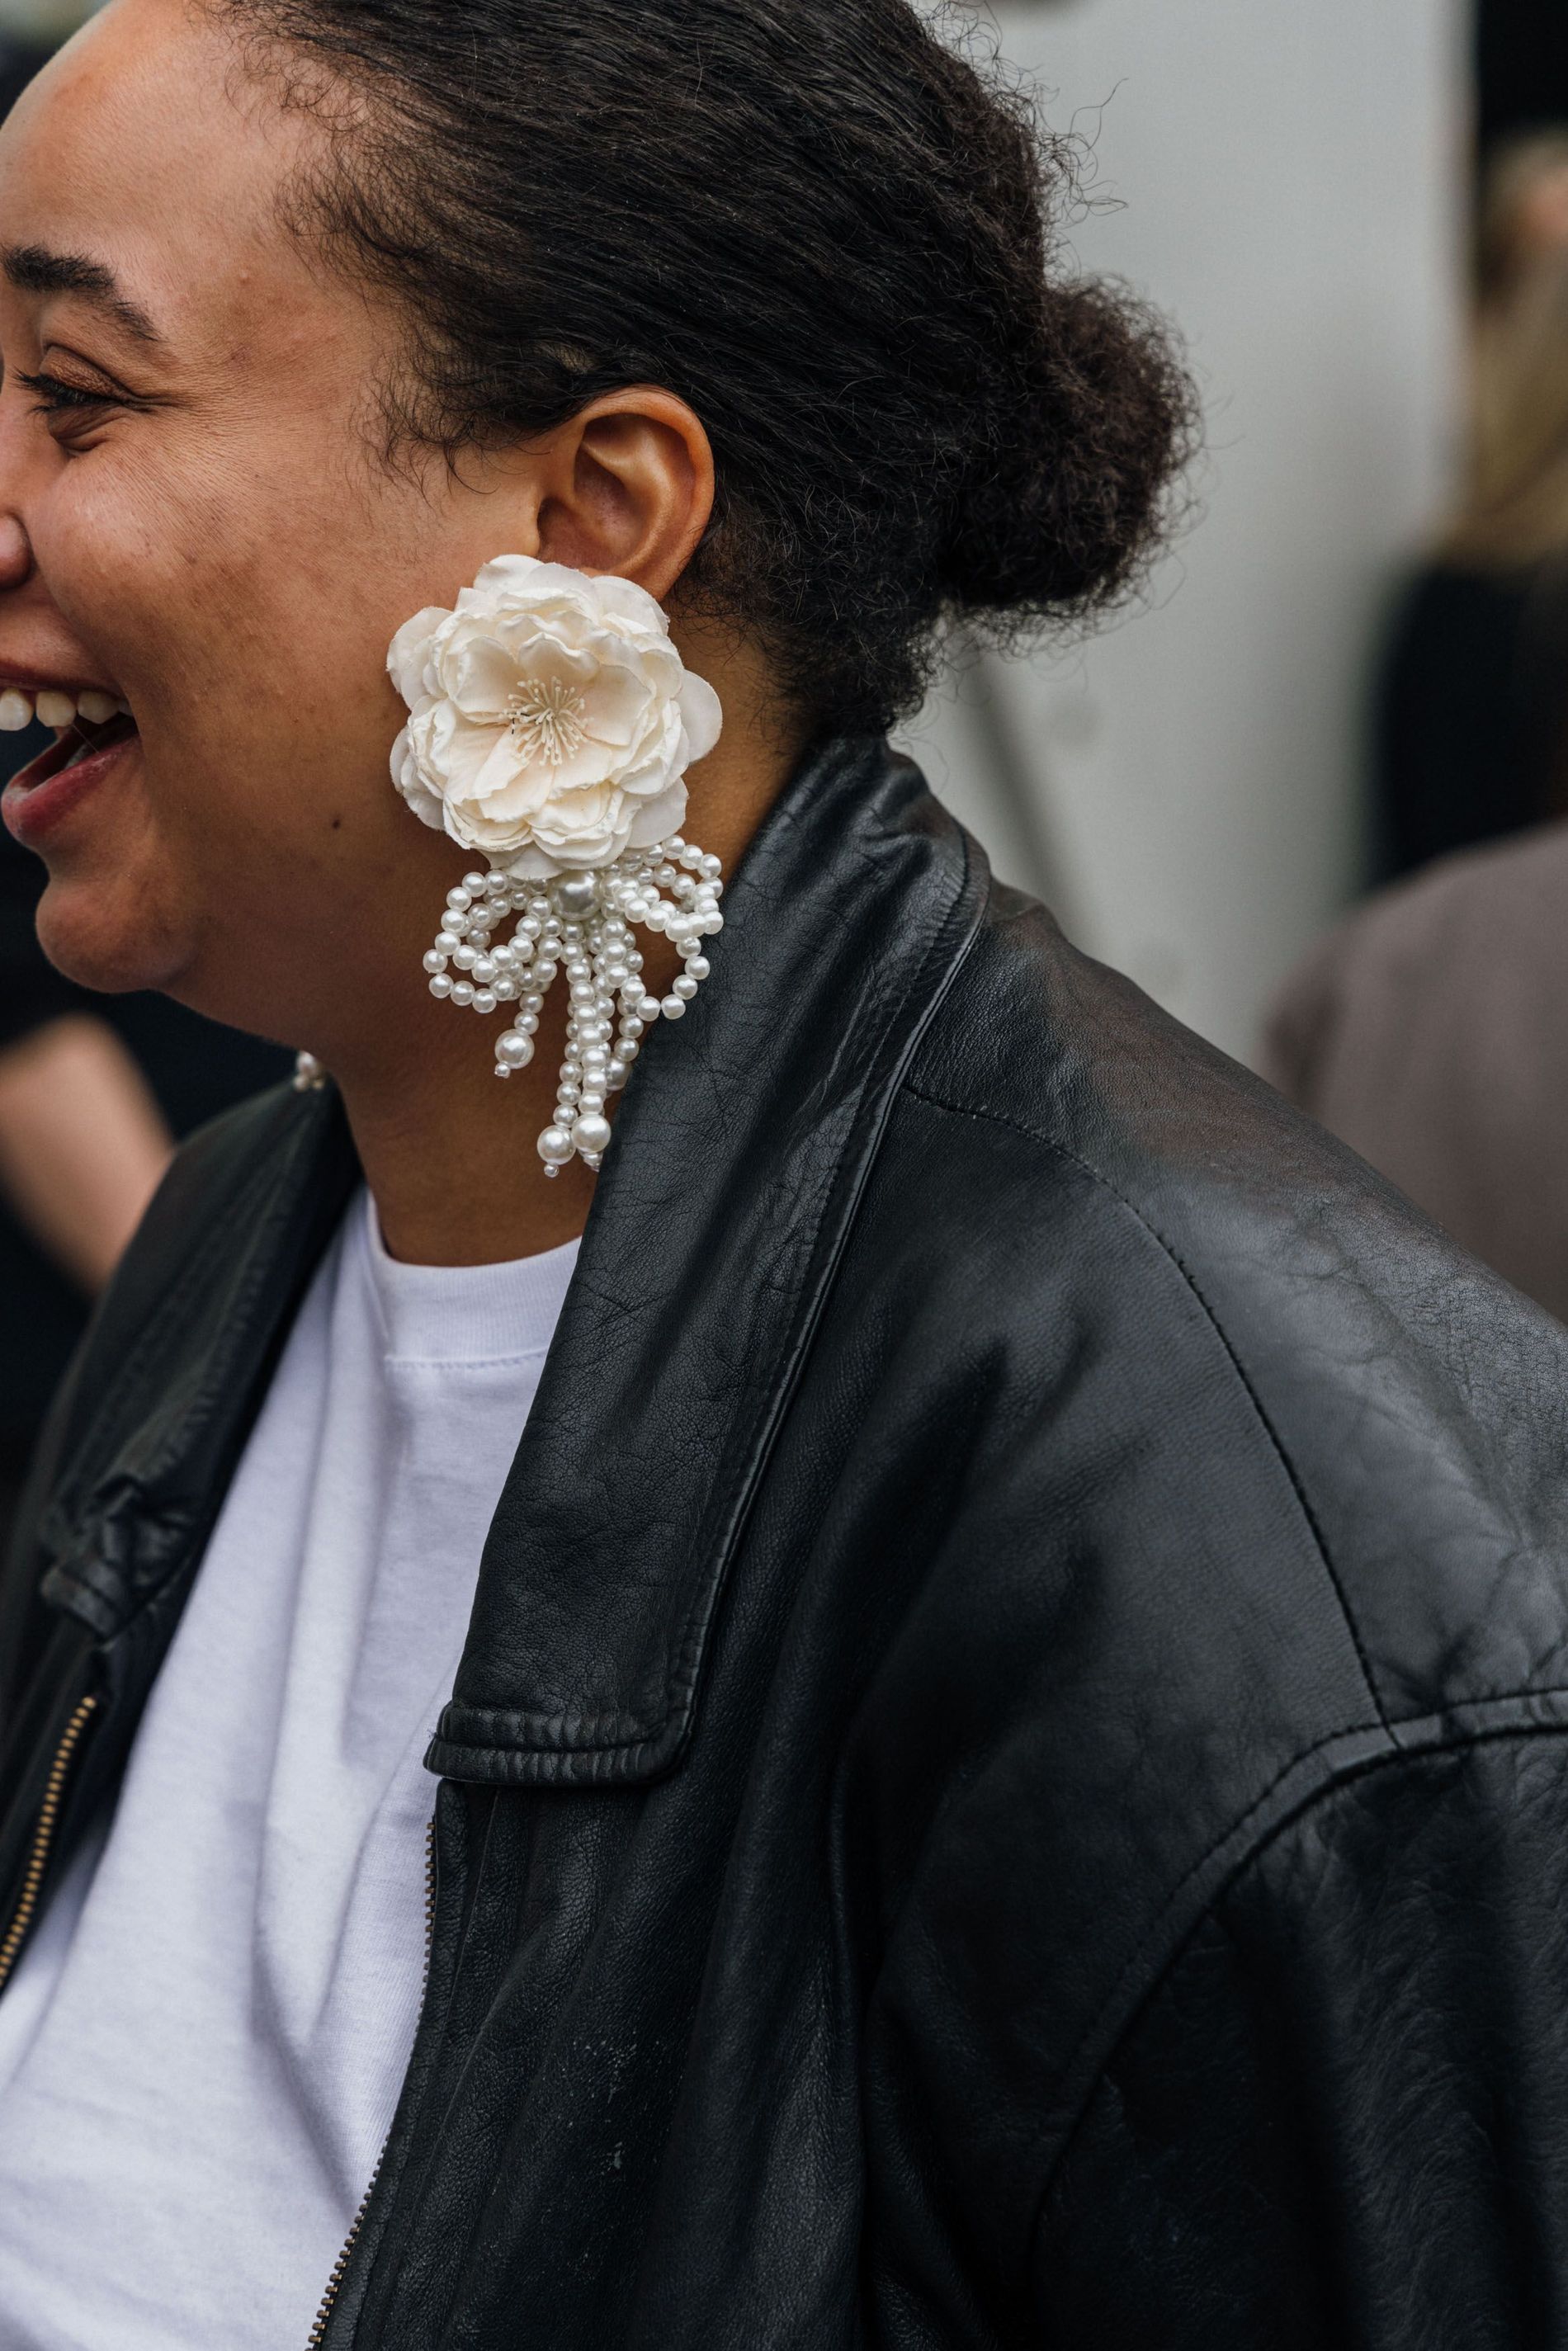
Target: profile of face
pixel 198 517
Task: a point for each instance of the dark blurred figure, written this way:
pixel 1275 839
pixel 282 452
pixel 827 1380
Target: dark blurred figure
pixel 1472 714
pixel 92 1090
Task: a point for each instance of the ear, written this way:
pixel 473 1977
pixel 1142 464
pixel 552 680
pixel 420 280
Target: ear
pixel 628 489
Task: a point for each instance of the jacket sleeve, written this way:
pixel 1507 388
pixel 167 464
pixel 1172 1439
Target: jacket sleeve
pixel 1340 2118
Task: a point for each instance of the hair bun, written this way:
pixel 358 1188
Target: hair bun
pixel 1082 429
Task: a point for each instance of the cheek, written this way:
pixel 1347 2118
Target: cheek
pixel 242 628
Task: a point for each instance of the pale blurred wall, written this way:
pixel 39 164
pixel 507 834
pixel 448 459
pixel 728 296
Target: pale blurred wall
pixel 1289 178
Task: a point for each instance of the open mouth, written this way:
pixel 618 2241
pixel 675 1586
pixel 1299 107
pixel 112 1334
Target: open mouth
pixel 90 729
pixel 76 743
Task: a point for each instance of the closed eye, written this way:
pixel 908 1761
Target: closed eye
pixel 58 398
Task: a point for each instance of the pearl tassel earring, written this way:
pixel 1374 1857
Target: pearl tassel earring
pixel 581 922
pixel 551 721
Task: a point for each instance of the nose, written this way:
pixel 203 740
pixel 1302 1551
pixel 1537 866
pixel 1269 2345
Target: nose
pixel 16 553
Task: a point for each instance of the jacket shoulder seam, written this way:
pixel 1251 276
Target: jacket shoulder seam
pixel 1097 1176
pixel 1491 1720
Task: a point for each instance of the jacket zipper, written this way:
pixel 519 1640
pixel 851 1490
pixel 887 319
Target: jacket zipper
pixel 44 1836
pixel 339 2267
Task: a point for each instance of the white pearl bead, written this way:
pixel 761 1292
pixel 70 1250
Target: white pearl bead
pixel 698 965
pixel 591 1134
pixel 464 956
pixel 484 970
pixel 436 960
pixel 526 1021
pixel 713 923
pixel 440 985
pixel 556 1146
pixel 506 991
pixel 516 1050
pixel 673 1008
pixel 686 987
pixel 458 899
pixel 474 884
pixel 631 1028
pixel 483 1000
pixel 648 1008
pixel 445 940
pixel 577 894
pixel 625 1053
pixel 462 991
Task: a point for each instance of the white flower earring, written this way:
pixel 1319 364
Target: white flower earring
pixel 551 723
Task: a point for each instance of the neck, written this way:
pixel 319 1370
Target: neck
pixel 448 1150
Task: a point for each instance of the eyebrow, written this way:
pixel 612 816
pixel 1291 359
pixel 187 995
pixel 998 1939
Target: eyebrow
pixel 33 270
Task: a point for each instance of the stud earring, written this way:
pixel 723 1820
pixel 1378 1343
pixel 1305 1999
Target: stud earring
pixel 551 723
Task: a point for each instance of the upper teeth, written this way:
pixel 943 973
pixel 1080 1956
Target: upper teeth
pixel 18 708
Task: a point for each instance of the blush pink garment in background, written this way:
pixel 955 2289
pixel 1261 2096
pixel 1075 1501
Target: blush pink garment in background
pixel 1430 1031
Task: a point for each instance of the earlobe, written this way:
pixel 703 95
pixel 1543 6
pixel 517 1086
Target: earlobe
pixel 633 490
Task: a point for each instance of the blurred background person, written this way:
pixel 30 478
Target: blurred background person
pixel 1471 719
pixel 1427 1029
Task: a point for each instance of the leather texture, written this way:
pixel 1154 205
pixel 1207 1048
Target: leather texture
pixel 1008 1785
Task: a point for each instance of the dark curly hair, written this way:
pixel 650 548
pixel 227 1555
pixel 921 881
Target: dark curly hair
pixel 832 232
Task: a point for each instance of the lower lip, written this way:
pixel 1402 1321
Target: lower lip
pixel 34 811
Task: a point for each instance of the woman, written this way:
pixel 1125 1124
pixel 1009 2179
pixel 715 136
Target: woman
pixel 1472 711
pixel 1000 1775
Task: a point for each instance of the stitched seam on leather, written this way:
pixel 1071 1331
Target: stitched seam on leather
pixel 1096 1176
pixel 1396 1753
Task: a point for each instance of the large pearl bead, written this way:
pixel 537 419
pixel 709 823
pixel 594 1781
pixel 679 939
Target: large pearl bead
pixel 576 895
pixel 518 1052
pixel 591 1134
pixel 556 1146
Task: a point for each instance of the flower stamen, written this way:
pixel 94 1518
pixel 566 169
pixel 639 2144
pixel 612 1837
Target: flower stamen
pixel 544 719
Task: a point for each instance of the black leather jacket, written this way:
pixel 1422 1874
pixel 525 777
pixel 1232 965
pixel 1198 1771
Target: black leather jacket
pixel 1006 1785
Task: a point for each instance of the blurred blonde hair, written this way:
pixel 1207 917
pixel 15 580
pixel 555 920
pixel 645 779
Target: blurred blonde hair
pixel 1515 506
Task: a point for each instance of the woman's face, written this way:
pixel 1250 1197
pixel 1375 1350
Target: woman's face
pixel 194 518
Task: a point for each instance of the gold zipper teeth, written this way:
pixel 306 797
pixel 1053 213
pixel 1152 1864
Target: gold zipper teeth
pixel 339 2267
pixel 44 1836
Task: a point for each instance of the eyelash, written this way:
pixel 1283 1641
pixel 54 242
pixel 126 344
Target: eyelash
pixel 59 399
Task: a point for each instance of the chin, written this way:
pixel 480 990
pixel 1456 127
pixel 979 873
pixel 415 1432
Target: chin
pixel 106 935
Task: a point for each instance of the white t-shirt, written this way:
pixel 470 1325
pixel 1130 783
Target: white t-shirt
pixel 203 2045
